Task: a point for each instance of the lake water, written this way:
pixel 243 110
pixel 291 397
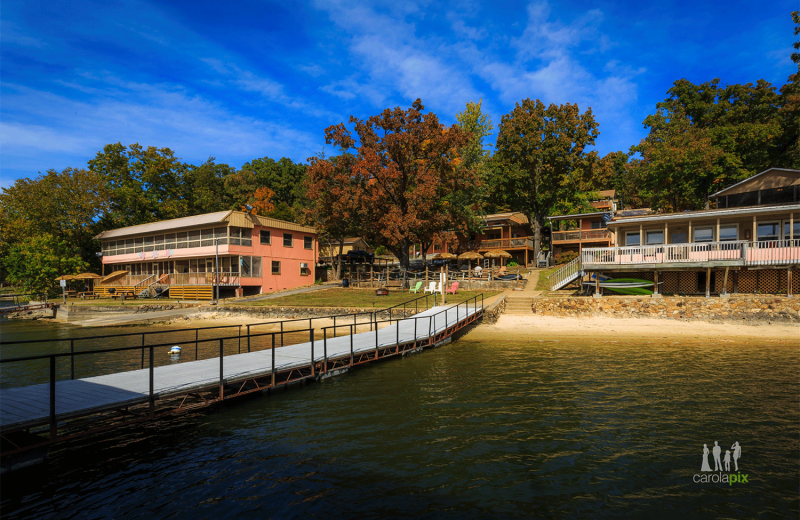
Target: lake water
pixel 471 430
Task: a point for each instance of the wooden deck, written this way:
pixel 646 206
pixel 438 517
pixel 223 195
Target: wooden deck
pixel 30 406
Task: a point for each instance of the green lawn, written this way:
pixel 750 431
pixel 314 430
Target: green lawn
pixel 544 284
pixel 359 298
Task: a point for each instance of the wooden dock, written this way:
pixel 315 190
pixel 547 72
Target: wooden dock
pixel 212 380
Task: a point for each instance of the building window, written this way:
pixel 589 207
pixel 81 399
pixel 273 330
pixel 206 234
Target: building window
pixel 632 239
pixel 265 236
pixel 437 247
pixel 728 233
pixel 308 242
pixel 768 231
pixel 287 240
pixel 655 237
pixel 276 267
pixel 704 234
pixel 304 269
pixel 600 224
pixel 795 230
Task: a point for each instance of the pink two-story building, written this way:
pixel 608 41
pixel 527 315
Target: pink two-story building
pixel 179 257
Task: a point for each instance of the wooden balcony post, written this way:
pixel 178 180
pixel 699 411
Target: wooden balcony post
pixel 708 282
pixel 717 235
pixel 655 283
pixel 755 229
pixel 789 281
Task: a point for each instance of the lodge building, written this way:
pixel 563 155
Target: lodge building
pixel 178 257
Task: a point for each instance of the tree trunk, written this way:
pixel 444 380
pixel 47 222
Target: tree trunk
pixel 538 223
pixel 337 272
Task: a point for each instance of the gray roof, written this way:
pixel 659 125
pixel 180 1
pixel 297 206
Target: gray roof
pixel 165 225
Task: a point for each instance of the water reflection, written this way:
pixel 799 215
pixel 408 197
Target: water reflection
pixel 475 430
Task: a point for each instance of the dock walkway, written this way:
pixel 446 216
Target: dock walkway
pixel 29 406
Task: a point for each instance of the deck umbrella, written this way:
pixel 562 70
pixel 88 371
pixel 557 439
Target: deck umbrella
pixel 65 277
pixel 444 256
pixel 87 276
pixel 469 256
pixel 497 253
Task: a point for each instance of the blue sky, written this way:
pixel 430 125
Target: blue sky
pixel 240 80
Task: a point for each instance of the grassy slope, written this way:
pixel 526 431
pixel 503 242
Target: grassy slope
pixel 358 298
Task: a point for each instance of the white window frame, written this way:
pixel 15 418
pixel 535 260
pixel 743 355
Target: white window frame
pixel 784 225
pixel 637 235
pixel 694 233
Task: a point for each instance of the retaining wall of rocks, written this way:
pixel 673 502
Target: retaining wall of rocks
pixel 751 309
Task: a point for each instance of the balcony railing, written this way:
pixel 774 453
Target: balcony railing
pixel 178 279
pixel 575 236
pixel 507 243
pixel 745 253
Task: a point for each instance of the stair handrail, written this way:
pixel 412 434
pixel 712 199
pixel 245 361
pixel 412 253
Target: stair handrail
pixel 566 274
pixel 142 282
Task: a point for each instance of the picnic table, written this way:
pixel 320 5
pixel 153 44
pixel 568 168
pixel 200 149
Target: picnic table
pixel 123 295
pixel 88 294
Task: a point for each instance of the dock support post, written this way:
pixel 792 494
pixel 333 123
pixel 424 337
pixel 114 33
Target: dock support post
pixel 708 282
pixel 311 333
pixel 281 333
pixel 273 359
pixel 221 377
pixel 72 356
pixel 152 398
pixel 53 424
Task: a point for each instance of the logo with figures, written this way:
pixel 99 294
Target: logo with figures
pixel 721 474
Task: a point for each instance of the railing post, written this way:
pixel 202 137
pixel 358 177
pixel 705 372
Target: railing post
pixel 415 331
pixel 142 351
pixel 196 342
pixel 334 326
pixel 152 370
pixel 397 324
pixel 376 339
pixel 53 424
pixel 273 359
pixel 72 358
pixel 240 341
pixel 351 345
pixel 221 372
pixel 325 348
pixel 281 334
pixel 312 352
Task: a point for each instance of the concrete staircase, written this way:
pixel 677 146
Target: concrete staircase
pixel 519 305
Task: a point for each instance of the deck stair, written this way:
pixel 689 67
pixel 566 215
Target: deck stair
pixel 519 305
pixel 570 272
pixel 150 290
pixel 144 286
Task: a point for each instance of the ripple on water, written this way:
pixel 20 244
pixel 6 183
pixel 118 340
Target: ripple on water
pixel 470 430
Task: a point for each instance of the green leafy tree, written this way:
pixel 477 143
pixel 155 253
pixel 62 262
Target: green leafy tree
pixel 790 107
pixel 145 183
pixel 204 187
pixel 542 151
pixel 66 205
pixel 36 261
pixel 679 165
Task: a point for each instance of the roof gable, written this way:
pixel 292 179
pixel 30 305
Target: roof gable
pixel 766 180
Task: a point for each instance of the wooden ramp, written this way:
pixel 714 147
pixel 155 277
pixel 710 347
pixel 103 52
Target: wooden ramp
pixel 225 376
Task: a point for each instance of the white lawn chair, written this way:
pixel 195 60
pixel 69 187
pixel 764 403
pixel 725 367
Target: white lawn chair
pixel 431 288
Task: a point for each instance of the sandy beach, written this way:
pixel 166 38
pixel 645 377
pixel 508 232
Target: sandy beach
pixel 606 330
pixel 589 329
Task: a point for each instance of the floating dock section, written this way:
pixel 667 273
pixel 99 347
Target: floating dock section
pixel 74 407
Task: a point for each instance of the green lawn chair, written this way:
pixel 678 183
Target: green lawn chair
pixel 416 288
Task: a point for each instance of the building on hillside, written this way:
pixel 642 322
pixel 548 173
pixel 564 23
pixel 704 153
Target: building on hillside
pixel 510 232
pixel 576 231
pixel 329 249
pixel 256 255
pixel 749 243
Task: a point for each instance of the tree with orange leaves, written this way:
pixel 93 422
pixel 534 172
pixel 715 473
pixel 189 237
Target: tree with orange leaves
pixel 405 177
pixel 262 201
